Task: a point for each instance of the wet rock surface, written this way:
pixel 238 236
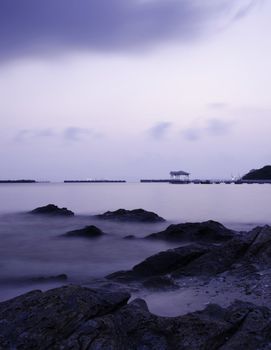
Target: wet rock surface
pixel 86 232
pixel 52 210
pixel 73 317
pixel 207 232
pixel 136 215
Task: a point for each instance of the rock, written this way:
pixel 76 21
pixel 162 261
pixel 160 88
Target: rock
pixel 217 260
pixel 136 215
pixel 52 210
pixel 208 231
pixel 243 254
pixel 259 174
pixel 86 232
pixel 76 318
pixel 39 320
pixel 169 260
pixel 259 251
pixel 161 263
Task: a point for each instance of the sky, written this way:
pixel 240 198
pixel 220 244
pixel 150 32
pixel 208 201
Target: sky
pixel 130 89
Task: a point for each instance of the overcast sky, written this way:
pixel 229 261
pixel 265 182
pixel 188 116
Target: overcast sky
pixel 134 88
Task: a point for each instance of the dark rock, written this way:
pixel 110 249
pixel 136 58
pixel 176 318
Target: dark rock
pixel 208 231
pixel 259 251
pixel 80 318
pixel 169 260
pixel 259 174
pixel 244 254
pixel 161 263
pixel 136 215
pixel 253 248
pixel 86 232
pixel 52 210
pixel 39 320
pixel 217 260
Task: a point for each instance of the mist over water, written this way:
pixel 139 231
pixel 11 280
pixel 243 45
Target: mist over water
pixel 33 246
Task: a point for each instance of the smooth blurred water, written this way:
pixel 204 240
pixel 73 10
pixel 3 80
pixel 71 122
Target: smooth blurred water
pixel 32 246
pixel 226 203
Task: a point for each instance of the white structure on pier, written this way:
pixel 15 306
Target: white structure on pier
pixel 179 175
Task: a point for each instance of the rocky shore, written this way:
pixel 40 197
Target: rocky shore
pixel 74 317
pixel 220 277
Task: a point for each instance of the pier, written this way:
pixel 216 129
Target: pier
pixel 94 181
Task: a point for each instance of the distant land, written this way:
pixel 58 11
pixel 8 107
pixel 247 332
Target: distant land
pixel 259 174
pixel 17 181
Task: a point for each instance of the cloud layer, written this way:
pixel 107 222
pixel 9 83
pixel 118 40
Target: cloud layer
pixel 211 127
pixel 69 134
pixel 159 130
pixel 32 26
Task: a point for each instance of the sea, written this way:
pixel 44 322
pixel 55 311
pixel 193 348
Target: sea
pixel 33 248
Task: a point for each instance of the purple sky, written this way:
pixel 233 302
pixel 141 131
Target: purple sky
pixel 134 88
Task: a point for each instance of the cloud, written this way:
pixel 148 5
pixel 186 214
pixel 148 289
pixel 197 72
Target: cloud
pixel 192 134
pixel 73 133
pixel 218 127
pixel 211 127
pixel 159 130
pixel 31 26
pixel 26 134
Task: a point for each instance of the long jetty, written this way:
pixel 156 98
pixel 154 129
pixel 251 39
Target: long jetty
pixel 94 181
pixel 205 182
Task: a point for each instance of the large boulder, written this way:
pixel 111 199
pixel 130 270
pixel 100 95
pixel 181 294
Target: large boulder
pixel 76 318
pixel 161 263
pixel 52 210
pixel 244 251
pixel 208 231
pixel 86 232
pixel 250 251
pixel 217 260
pixel 259 251
pixel 136 215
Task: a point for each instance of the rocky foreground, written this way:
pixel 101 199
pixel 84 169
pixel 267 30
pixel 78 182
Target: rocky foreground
pixel 73 317
pixel 242 263
pixel 227 268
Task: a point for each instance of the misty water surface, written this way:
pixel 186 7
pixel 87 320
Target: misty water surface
pixel 33 246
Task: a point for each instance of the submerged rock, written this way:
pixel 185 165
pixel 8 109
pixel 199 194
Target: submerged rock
pixel 76 318
pixel 52 210
pixel 136 215
pixel 86 232
pixel 208 231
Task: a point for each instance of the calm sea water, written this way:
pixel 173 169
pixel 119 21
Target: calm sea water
pixel 32 246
